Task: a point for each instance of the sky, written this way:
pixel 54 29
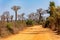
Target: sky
pixel 27 6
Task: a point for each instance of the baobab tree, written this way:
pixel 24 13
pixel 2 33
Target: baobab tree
pixel 2 18
pixel 15 8
pixel 39 12
pixel 21 17
pixel 11 17
pixel 36 17
pixel 44 13
pixel 6 14
pixel 31 16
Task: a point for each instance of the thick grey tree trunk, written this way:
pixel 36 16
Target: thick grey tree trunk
pixel 15 15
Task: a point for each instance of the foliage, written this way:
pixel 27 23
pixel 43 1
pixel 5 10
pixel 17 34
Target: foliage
pixel 51 19
pixel 34 18
pixel 10 27
pixel 52 3
pixel 46 24
pixel 29 22
pixel 52 8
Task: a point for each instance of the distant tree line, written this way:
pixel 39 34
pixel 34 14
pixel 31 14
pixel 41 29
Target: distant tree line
pixel 32 16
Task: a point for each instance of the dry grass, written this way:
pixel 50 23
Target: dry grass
pixel 9 28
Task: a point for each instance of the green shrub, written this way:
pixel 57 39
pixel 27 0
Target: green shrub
pixel 50 20
pixel 29 22
pixel 40 23
pixel 46 24
pixel 9 26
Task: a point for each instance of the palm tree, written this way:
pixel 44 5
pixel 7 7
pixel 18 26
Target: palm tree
pixel 15 8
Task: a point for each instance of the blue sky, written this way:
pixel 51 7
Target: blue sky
pixel 27 6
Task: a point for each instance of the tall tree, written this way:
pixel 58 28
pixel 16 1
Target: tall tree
pixel 40 12
pixel 52 3
pixel 36 17
pixel 2 18
pixel 6 14
pixel 52 18
pixel 11 18
pixel 52 8
pixel 31 16
pixel 15 8
pixel 21 17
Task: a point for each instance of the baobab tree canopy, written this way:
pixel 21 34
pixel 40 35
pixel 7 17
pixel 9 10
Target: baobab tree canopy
pixel 39 10
pixel 15 8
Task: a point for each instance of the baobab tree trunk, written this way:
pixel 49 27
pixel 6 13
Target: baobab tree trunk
pixel 15 15
pixel 39 17
pixel 7 20
pixel 11 19
pixel 22 20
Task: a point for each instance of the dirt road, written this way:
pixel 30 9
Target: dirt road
pixel 34 33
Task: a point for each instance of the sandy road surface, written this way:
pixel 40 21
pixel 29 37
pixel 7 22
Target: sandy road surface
pixel 34 33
